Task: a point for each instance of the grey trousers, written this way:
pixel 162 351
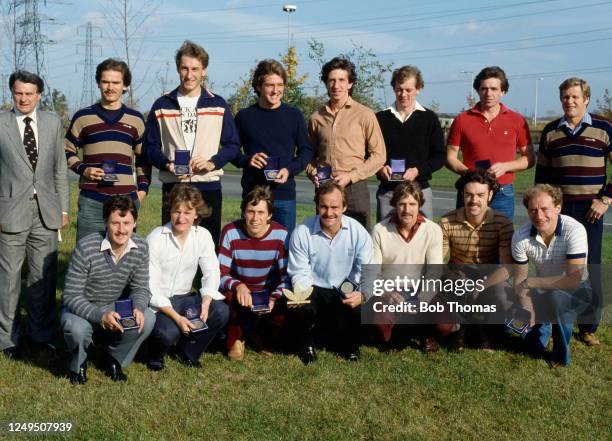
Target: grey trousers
pixel 358 203
pixel 38 247
pixel 384 208
pixel 79 332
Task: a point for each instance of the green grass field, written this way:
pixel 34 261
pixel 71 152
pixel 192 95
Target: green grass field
pixel 404 395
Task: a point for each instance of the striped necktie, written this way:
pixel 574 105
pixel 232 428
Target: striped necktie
pixel 29 142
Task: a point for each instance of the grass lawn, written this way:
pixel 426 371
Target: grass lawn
pixel 405 395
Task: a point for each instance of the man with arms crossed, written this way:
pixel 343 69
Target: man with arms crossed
pixel 103 267
pixel 194 119
pixel 489 136
pixel 345 135
pixel 33 206
pixel 573 154
pixel 325 251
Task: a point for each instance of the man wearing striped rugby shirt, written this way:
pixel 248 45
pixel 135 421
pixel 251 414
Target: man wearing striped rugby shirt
pixel 253 260
pixel 110 135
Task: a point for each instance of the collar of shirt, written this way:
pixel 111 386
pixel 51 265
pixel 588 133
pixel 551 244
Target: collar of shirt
pixel 20 116
pixel 348 104
pixel 476 109
pixel 21 123
pixel 105 245
pixel 167 230
pixel 317 227
pixel 461 217
pixel 419 220
pixel 586 119
pixel 397 114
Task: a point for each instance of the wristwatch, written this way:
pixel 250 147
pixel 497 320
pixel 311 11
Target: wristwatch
pixel 524 284
pixel 606 200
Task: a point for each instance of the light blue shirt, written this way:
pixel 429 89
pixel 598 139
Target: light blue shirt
pixel 586 119
pixel 316 259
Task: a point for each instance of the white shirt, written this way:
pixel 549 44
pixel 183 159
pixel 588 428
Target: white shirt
pixel 106 245
pixel 396 113
pixel 21 124
pixel 189 118
pixel 172 268
pixel 568 242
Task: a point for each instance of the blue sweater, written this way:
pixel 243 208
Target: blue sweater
pixel 276 132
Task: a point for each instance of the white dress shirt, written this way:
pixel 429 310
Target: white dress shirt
pixel 34 124
pixel 172 268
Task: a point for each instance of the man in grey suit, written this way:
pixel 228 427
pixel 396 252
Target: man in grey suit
pixel 33 206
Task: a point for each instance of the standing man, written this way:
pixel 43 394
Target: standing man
pixel 573 153
pixel 557 245
pixel 271 128
pixel 33 206
pixel 345 135
pixel 413 134
pixel 108 132
pixel 194 119
pixel 476 234
pixel 106 267
pixel 489 136
pixel 326 251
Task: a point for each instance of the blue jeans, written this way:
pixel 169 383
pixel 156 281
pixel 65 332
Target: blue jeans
pixel 503 202
pixel 589 320
pixel 89 217
pixel 284 213
pixel 166 333
pixel 556 312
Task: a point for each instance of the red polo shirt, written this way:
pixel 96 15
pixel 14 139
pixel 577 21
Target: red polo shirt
pixel 498 140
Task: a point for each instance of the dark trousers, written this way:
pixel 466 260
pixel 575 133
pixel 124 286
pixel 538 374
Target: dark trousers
pixel 358 203
pixel 166 333
pixel 260 330
pixel 212 198
pixel 589 320
pixel 328 321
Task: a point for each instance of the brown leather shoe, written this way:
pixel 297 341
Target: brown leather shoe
pixel 589 339
pixel 236 352
pixel 430 345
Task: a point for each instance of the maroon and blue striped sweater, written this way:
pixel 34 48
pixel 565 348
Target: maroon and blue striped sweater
pixel 576 162
pixel 104 135
pixel 259 263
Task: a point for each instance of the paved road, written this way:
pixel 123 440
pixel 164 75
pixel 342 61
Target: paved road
pixel 444 200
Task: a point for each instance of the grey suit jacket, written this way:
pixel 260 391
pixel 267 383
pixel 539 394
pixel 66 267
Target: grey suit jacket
pixel 18 179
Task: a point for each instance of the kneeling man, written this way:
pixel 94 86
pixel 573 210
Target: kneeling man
pixel 407 238
pixel 327 251
pixel 185 319
pixel 106 267
pixel 557 245
pixel 253 260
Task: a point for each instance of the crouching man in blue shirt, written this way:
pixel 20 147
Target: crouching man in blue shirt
pixel 326 252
